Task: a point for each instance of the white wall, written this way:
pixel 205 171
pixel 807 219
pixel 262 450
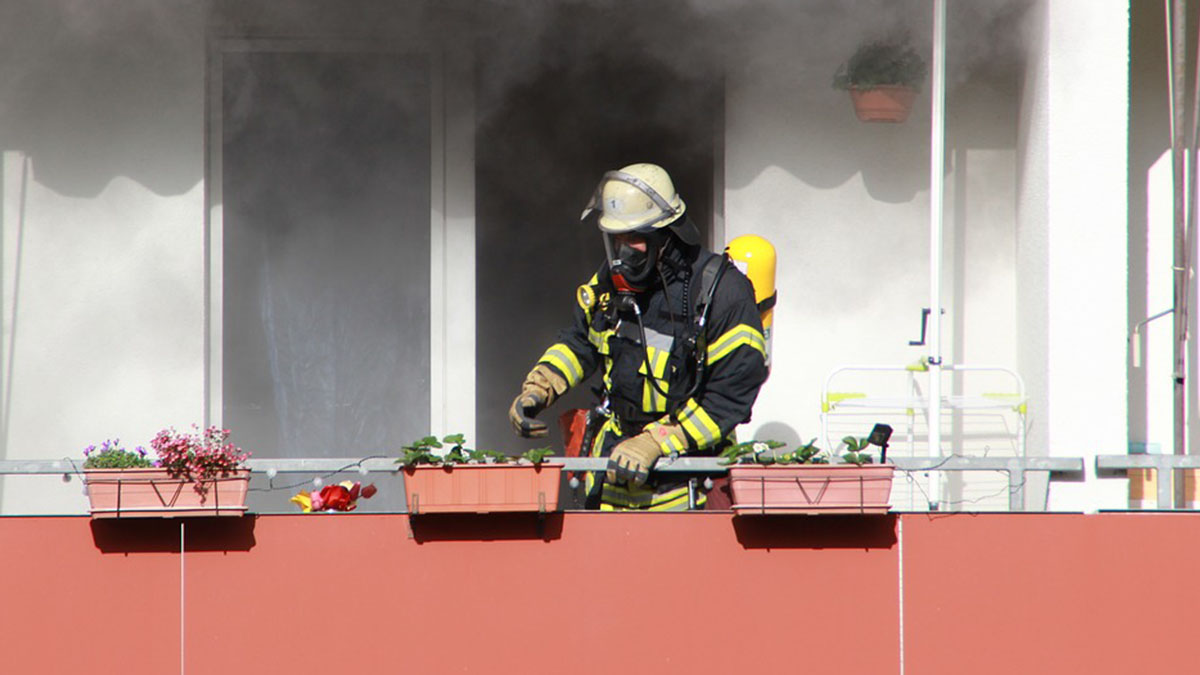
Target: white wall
pixel 1072 240
pixel 847 206
pixel 103 226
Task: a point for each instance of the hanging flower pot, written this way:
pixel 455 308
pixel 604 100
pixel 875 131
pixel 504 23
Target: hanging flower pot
pixel 453 478
pixel 803 481
pixel 149 493
pixel 883 103
pixel 196 474
pixel 811 488
pixel 883 77
pixel 482 488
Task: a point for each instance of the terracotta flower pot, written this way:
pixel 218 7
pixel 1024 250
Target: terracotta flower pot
pixel 811 488
pixel 149 493
pixel 482 488
pixel 884 103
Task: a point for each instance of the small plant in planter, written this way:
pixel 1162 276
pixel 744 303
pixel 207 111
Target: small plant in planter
pixel 195 474
pixel 758 452
pixel 110 455
pixel 429 450
pixel 883 77
pixel 446 476
pixel 856 451
pixel 804 481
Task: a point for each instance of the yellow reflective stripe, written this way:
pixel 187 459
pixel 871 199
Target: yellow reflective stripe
pixel 697 423
pixel 560 356
pixel 733 338
pixel 597 446
pixel 673 443
pixel 652 400
pixel 620 497
pixel 599 339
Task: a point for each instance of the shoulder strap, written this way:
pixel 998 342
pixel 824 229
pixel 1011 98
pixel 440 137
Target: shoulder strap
pixel 703 292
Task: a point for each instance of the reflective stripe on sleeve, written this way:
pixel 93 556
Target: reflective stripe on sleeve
pixel 697 424
pixel 561 357
pixel 733 338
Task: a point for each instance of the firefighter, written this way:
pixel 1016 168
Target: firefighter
pixel 675 333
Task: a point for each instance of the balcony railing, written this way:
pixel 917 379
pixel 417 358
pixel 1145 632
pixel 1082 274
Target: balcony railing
pixel 280 475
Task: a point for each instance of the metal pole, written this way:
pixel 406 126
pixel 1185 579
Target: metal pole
pixel 937 172
pixel 1177 62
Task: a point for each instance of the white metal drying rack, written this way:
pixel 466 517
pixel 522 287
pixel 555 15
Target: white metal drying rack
pixel 916 403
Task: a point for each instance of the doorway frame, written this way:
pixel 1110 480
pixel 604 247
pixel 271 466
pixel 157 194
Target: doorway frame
pixel 451 219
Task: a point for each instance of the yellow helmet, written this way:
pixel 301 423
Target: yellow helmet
pixel 636 198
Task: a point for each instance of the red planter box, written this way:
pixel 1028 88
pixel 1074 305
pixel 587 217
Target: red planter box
pixel 482 488
pixel 811 488
pixel 151 493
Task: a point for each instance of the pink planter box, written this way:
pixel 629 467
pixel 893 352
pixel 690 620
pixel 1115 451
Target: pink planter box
pixel 150 493
pixel 482 488
pixel 811 488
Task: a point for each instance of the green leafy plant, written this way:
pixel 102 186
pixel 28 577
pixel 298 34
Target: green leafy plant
pixel 429 450
pixel 759 452
pixel 537 455
pixel 887 61
pixel 856 451
pixel 110 455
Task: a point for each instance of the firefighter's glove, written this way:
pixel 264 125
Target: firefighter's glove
pixel 541 387
pixel 632 460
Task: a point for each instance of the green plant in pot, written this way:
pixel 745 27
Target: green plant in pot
pixel 883 77
pixel 764 479
pixel 856 451
pixel 112 455
pixel 194 474
pixel 763 452
pixel 452 450
pixel 445 476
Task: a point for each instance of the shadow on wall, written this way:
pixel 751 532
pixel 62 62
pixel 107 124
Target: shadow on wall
pixel 163 535
pixel 95 90
pixel 864 532
pixel 777 431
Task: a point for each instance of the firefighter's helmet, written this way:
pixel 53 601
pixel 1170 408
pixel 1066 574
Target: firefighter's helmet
pixel 636 198
pixel 637 202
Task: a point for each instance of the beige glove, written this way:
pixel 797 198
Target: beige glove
pixel 541 387
pixel 632 459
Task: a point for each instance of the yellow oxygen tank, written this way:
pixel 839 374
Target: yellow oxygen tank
pixel 755 257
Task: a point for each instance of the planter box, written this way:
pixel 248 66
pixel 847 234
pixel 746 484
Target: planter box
pixel 482 488
pixel 811 488
pixel 884 103
pixel 150 493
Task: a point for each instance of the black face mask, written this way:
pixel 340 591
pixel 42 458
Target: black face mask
pixel 631 267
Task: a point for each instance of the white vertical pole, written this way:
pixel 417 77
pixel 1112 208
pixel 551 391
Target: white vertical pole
pixel 900 585
pixel 182 603
pixel 937 140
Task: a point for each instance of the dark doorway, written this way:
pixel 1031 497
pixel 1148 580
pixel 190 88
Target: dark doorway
pixel 545 137
pixel 325 340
